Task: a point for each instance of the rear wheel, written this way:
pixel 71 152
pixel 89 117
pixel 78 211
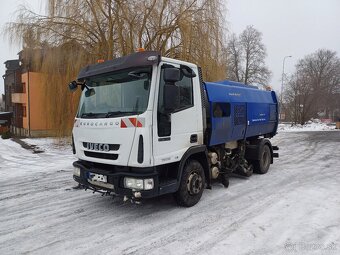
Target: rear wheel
pixel 261 166
pixel 192 184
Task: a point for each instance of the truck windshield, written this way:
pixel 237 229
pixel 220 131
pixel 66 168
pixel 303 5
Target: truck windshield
pixel 116 94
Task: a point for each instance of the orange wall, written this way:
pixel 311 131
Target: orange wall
pixel 25 122
pixel 37 101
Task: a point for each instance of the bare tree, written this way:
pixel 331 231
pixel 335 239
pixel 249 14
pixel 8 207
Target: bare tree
pixel 234 56
pixel 300 97
pixel 315 86
pixel 246 58
pixel 322 70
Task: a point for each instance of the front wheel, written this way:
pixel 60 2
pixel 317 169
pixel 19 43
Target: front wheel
pixel 191 185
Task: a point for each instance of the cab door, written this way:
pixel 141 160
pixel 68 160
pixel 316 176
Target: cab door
pixel 174 133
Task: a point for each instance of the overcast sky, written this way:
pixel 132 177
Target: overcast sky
pixel 289 27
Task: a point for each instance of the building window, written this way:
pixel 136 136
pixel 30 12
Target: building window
pixel 24 111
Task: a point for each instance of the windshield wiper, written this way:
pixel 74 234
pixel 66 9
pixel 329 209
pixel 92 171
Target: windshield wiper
pixel 119 113
pixel 89 114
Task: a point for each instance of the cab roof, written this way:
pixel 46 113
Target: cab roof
pixel 145 58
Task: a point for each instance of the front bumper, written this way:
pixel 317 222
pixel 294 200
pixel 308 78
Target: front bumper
pixel 116 178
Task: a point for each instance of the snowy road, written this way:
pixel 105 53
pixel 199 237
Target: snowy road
pixel 294 209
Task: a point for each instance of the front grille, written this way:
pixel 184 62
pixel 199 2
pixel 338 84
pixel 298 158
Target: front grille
pixel 100 155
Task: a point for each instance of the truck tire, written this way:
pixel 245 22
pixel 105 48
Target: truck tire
pixel 191 185
pixel 261 166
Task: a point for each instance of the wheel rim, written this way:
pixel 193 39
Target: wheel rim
pixel 194 183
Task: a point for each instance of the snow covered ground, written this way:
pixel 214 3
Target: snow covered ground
pixel 293 209
pixel 311 125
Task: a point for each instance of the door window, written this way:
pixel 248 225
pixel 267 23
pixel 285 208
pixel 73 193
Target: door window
pixel 186 100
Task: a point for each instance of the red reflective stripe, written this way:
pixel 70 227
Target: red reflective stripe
pixel 122 124
pixel 133 121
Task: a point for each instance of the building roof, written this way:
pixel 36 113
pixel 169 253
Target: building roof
pixel 12 64
pixel 6 113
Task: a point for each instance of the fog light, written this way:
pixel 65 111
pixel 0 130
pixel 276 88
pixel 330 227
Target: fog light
pixel 76 171
pixel 138 184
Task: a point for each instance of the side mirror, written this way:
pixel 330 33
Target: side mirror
pixel 172 75
pixel 170 98
pixel 188 72
pixel 72 86
pixel 90 92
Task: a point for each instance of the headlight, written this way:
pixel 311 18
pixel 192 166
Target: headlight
pixel 138 184
pixel 76 171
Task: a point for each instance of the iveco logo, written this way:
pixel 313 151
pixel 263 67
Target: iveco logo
pixel 98 146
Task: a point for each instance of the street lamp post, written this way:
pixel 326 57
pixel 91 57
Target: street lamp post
pixel 283 73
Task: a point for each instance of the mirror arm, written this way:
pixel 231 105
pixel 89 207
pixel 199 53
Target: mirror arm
pixel 83 85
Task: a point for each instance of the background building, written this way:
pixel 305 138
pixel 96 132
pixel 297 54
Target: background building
pixel 24 97
pixel 2 103
pixel 5 121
